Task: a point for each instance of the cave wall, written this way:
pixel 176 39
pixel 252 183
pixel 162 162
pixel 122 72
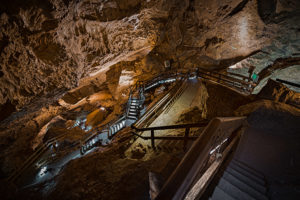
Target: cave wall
pixel 49 46
pixel 52 46
pixel 56 51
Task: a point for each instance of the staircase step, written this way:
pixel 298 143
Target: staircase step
pixel 244 186
pixel 132 114
pixel 132 117
pixel 133 108
pixel 234 191
pixel 241 164
pixel 246 173
pixel 256 185
pixel 219 194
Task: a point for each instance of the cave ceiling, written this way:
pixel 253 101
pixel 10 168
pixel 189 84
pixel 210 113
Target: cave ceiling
pixel 54 46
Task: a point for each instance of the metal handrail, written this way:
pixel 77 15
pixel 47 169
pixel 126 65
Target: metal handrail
pixel 232 81
pixel 186 136
pixel 92 132
pixel 226 76
pixel 102 131
pixel 176 126
pixel 33 157
pixel 157 108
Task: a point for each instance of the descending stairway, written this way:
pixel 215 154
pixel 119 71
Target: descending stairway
pixel 116 127
pixel 240 181
pixel 133 110
pixel 103 137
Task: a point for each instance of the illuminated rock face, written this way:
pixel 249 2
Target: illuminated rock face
pixel 49 47
pixel 62 55
pixel 58 55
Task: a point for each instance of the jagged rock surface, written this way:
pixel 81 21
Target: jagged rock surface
pixel 51 45
pixel 56 45
pixel 60 55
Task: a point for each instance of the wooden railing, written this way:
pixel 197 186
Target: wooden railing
pixel 219 134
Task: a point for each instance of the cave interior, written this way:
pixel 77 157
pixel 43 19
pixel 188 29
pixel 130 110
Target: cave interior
pixel 150 99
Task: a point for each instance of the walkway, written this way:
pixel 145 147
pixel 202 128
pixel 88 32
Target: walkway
pixel 170 117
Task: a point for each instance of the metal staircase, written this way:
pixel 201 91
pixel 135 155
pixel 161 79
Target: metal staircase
pixel 134 106
pixel 102 137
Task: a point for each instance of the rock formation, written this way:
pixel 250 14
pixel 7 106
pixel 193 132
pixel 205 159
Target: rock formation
pixel 69 57
pixel 50 47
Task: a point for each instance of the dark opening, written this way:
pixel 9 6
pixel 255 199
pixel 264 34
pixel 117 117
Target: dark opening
pixel 6 110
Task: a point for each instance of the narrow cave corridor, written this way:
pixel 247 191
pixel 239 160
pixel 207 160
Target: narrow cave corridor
pixel 150 99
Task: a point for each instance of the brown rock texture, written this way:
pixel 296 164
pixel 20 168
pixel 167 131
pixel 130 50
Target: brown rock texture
pixel 279 93
pixel 71 57
pixel 50 47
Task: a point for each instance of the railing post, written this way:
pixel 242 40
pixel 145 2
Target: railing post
pixel 186 135
pixel 152 140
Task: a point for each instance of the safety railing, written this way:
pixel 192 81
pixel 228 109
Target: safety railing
pixel 155 109
pixel 238 84
pixel 215 140
pixel 42 148
pixel 164 77
pixel 103 135
pixel 161 79
pixel 173 99
pixel 152 130
pixel 152 112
